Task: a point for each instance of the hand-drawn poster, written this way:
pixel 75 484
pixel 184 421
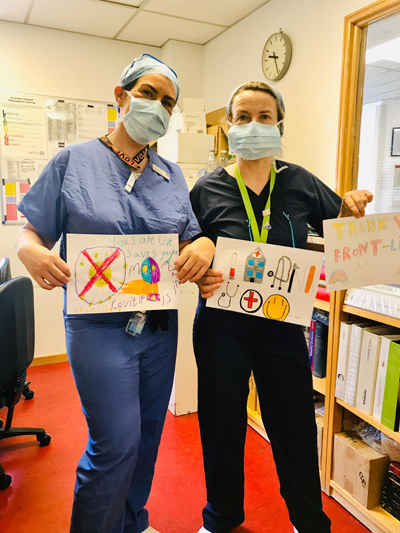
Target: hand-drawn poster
pixel 122 273
pixel 362 251
pixel 266 280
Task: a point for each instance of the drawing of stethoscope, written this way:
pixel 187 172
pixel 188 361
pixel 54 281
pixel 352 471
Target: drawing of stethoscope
pixel 227 295
pixel 280 269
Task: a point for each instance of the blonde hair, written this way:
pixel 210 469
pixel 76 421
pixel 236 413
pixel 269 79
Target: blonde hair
pixel 257 86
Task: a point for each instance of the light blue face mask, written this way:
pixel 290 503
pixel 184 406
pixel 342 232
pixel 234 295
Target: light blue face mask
pixel 146 120
pixel 254 140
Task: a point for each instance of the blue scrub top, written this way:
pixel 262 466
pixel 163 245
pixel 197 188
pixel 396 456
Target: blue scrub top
pixel 82 190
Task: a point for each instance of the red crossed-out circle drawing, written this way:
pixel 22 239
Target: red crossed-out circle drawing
pixel 251 301
pixel 99 273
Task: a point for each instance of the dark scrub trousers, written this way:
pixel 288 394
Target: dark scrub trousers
pixel 228 346
pixel 124 382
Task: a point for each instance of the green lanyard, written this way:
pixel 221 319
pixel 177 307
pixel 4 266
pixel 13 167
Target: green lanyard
pixel 249 208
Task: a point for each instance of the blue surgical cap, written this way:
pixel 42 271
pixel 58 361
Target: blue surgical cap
pixel 275 91
pixel 147 64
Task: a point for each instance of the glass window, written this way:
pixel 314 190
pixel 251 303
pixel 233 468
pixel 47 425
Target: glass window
pixel 379 155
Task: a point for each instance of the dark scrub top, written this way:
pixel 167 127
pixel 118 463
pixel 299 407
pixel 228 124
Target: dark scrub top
pixel 219 208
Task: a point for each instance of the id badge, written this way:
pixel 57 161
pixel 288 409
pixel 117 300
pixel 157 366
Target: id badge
pixel 136 323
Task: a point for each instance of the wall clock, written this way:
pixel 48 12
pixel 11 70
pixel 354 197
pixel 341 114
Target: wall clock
pixel 276 56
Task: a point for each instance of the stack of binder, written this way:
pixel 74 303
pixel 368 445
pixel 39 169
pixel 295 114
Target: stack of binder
pixel 390 499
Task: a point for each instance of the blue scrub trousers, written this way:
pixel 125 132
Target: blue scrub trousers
pixel 124 384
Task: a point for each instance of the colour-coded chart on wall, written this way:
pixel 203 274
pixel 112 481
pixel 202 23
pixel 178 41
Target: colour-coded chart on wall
pixel 33 129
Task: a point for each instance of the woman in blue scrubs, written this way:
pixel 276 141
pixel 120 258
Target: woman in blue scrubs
pixel 117 185
pixel 266 201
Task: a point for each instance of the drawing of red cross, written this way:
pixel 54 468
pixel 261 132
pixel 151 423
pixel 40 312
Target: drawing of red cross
pixel 257 253
pixel 99 271
pixel 251 300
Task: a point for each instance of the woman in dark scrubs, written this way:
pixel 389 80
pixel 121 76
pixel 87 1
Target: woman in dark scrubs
pixel 271 201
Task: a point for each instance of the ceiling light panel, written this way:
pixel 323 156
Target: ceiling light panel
pixel 82 16
pixel 153 29
pixel 14 10
pixel 224 12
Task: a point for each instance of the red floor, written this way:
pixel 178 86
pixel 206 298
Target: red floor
pixel 39 499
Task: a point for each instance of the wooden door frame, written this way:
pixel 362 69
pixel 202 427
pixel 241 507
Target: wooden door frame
pixel 352 86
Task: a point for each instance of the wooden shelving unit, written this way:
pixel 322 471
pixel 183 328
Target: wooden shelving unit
pixel 322 304
pixel 395 435
pixel 377 520
pixel 254 420
pixel 370 315
pixel 351 104
pixel 319 385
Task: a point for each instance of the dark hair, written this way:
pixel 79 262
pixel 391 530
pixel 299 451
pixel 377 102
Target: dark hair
pixel 257 86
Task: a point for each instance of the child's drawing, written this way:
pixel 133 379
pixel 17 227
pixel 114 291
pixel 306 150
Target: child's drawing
pixel 270 271
pixel 99 273
pixel 122 273
pixel 148 285
pixel 255 267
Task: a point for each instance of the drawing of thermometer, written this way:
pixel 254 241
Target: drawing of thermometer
pixel 232 271
pixel 310 279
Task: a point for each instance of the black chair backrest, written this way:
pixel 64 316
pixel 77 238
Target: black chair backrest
pixel 17 327
pixel 5 270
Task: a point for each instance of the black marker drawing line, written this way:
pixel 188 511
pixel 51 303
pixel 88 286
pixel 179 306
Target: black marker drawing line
pixel 295 267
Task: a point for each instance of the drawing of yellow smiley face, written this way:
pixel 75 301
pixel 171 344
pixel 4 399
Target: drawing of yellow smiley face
pixel 276 307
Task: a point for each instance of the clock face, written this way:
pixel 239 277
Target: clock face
pixel 276 56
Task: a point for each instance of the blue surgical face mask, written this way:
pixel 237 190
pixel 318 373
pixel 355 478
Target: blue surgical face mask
pixel 146 120
pixel 254 140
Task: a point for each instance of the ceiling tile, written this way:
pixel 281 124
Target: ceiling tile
pixel 133 3
pixel 83 16
pixel 14 10
pixel 148 28
pixel 224 12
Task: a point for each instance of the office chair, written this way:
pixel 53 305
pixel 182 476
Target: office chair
pixel 5 270
pixel 17 340
pixel 5 275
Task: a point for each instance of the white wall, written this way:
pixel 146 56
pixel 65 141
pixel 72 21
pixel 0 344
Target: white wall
pixel 52 62
pixel 187 61
pixel 311 87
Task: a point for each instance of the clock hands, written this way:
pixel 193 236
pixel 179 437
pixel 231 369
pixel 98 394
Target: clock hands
pixel 275 57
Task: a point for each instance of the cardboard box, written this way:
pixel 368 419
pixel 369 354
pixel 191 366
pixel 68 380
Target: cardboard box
pixel 320 435
pixel 214 118
pixel 192 172
pixel 186 147
pixel 221 138
pixel 188 122
pixel 193 104
pixel 252 398
pixel 359 469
